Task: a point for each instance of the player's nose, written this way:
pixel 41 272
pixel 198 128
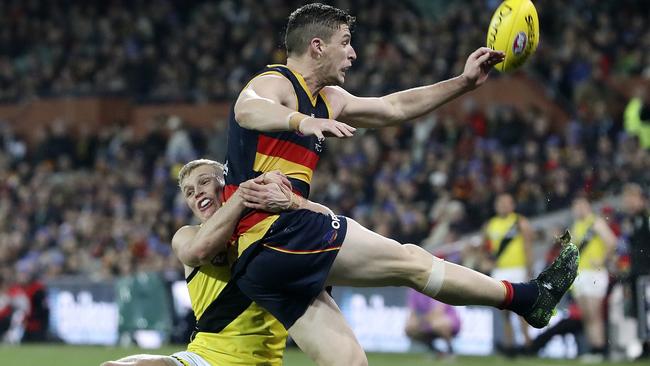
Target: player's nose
pixel 352 55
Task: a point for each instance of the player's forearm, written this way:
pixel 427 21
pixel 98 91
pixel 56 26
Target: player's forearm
pixel 413 103
pixel 214 234
pixel 262 114
pixel 316 207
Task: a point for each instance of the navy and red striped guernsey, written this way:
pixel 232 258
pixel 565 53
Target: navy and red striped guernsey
pixel 251 153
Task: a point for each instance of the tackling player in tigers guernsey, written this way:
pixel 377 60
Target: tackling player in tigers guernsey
pixel 230 329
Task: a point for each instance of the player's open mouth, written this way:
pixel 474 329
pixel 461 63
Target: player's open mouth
pixel 205 203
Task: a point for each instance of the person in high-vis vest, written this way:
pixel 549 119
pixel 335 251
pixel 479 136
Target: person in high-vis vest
pixel 508 238
pixel 596 243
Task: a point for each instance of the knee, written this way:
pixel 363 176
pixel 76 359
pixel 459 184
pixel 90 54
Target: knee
pixel 411 331
pixel 359 359
pixel 419 264
pixel 352 356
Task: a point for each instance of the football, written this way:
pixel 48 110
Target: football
pixel 514 30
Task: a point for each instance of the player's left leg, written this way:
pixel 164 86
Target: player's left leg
pixel 369 259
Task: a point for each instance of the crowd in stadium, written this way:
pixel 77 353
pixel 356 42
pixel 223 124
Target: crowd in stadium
pixel 104 204
pixel 203 50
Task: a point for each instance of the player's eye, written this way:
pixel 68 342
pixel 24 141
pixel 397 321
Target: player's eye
pixel 188 193
pixel 205 181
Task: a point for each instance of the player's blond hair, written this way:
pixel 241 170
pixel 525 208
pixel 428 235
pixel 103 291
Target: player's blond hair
pixel 189 167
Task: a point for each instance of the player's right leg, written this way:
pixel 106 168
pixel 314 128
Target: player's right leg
pixel 323 334
pixel 144 360
pixel 183 358
pixel 371 260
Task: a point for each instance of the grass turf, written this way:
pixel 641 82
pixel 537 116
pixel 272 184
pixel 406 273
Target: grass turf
pixel 64 355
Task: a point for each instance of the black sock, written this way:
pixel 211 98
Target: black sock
pixel 520 297
pixel 598 350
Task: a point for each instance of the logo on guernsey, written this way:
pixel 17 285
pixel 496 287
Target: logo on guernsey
pixel 519 45
pixel 225 168
pixel 330 236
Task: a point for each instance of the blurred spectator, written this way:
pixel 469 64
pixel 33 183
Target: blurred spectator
pixel 637 119
pixel 508 239
pixel 179 147
pixel 38 317
pixel 430 320
pixel 636 230
pixel 14 306
pixel 596 243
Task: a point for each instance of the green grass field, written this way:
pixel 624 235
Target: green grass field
pixel 62 355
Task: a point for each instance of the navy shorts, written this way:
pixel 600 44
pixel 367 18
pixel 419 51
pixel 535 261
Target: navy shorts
pixel 285 270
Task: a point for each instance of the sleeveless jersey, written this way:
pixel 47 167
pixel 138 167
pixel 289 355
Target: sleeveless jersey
pixel 231 329
pixel 251 153
pixel 501 229
pixel 592 247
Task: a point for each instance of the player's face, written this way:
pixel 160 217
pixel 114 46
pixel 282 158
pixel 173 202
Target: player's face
pixel 337 56
pixel 202 190
pixel 632 201
pixel 504 205
pixel 580 209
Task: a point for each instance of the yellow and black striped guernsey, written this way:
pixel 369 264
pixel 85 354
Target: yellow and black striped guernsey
pixel 231 329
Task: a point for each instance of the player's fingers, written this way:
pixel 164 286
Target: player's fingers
pixel 276 176
pixel 319 134
pixel 484 57
pixel 286 183
pixel 347 126
pixel 479 52
pixel 334 131
pixel 250 195
pixel 252 185
pixel 344 131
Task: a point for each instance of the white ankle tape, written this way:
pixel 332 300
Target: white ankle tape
pixel 436 277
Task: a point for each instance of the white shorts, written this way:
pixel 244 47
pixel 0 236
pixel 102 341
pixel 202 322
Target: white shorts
pixel 591 283
pixel 191 358
pixel 512 274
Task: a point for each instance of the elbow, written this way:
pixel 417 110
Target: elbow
pixel 243 116
pixel 240 118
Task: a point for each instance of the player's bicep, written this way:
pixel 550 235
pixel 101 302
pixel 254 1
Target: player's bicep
pixel 181 244
pixel 261 93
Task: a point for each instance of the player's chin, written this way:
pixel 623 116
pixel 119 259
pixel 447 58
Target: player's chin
pixel 208 212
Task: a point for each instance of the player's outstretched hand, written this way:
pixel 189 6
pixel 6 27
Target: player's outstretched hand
pixel 268 192
pixel 321 127
pixel 479 64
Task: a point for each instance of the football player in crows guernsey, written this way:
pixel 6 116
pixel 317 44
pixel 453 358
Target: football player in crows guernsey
pixel 230 329
pixel 279 122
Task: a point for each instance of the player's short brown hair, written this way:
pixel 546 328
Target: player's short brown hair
pixel 189 167
pixel 311 21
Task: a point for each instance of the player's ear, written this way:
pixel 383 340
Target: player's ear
pixel 316 47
